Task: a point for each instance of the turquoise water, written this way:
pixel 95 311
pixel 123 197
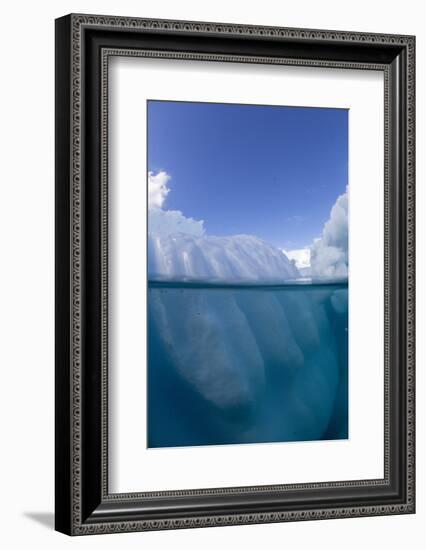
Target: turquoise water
pixel 232 364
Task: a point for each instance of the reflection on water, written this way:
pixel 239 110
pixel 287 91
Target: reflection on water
pixel 246 364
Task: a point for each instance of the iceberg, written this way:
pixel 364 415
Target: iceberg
pixel 221 259
pixel 178 248
pixel 239 351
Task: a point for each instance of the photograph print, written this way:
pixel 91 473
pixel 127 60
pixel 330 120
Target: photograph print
pixel 247 274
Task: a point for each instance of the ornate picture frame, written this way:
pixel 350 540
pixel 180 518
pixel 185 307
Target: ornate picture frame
pixel 84 46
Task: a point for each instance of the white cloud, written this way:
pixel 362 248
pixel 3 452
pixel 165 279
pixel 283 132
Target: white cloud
pixel 163 223
pixel 301 256
pixel 157 189
pixel 329 253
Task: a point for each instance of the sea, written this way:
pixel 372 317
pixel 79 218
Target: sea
pixel 232 364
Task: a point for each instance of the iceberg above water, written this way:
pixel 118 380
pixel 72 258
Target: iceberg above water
pixel 219 259
pixel 179 248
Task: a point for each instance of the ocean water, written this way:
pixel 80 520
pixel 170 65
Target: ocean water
pixel 234 364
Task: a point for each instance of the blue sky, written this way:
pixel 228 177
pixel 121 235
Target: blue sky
pixel 273 172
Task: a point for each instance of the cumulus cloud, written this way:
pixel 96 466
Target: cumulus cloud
pixel 163 223
pixel 157 189
pixel 301 257
pixel 329 253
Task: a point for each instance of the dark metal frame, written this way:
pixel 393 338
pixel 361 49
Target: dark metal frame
pixel 84 44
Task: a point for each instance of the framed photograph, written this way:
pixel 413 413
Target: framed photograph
pixel 234 274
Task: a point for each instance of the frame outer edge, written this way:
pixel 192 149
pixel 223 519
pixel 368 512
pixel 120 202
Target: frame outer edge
pixel 63 496
pixel 77 22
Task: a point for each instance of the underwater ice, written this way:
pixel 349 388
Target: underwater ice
pixel 246 364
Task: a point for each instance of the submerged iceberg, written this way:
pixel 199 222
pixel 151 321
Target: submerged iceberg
pixel 246 364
